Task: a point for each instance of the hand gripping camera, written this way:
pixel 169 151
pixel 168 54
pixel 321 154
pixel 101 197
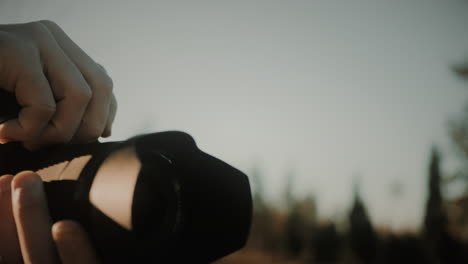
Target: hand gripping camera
pixel 154 198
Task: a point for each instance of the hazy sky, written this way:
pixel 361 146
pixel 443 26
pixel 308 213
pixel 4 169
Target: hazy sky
pixel 323 90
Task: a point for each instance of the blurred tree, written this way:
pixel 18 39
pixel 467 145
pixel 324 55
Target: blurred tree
pixel 300 225
pixel 294 241
pixel 440 244
pixel 435 219
pixel 362 237
pixel 261 226
pixel 458 131
pixel 289 198
pixel 403 249
pixel 294 233
pixel 326 244
pixel 258 186
pixel 462 71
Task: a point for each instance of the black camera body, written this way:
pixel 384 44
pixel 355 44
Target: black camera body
pixel 153 198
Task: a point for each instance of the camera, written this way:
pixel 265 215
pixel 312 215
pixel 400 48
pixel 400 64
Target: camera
pixel 154 198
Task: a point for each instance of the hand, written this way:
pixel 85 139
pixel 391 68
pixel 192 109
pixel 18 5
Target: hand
pixel 26 231
pixel 65 95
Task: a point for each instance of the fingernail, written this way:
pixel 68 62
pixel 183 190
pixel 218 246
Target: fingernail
pixel 65 226
pixel 29 191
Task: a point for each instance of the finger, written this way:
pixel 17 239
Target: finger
pixel 32 220
pixel 96 116
pixel 75 53
pixel 72 243
pixel 71 92
pixel 26 79
pixel 9 245
pixel 110 120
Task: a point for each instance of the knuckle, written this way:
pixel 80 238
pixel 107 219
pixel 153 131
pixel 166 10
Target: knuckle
pixel 113 108
pixel 90 130
pixel 36 27
pixel 48 23
pixel 103 82
pixel 39 34
pixel 91 135
pixel 8 41
pixel 65 136
pixel 46 110
pixel 61 134
pixel 108 82
pixel 114 102
pixel 82 94
pixel 43 113
pixel 16 48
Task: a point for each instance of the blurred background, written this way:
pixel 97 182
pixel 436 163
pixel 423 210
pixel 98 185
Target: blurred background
pixel 350 117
